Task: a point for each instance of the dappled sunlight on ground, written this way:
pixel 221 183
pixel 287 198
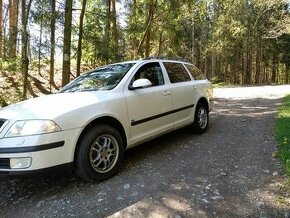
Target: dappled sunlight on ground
pixel 170 206
pixel 227 172
pixel 242 107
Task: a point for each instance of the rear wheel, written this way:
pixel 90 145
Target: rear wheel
pixel 100 153
pixel 201 118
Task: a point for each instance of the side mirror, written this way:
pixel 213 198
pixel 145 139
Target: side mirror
pixel 140 83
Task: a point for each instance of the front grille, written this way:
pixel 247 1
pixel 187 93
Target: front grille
pixel 4 163
pixel 2 122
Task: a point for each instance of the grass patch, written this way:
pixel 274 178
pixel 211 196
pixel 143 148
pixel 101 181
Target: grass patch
pixel 220 85
pixel 283 132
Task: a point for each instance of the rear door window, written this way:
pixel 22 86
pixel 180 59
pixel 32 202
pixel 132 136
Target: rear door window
pixel 176 72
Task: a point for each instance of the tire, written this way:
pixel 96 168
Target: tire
pixel 201 118
pixel 99 154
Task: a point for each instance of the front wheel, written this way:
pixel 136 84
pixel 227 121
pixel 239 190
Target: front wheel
pixel 100 153
pixel 201 118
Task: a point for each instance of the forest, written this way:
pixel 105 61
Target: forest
pixel 45 44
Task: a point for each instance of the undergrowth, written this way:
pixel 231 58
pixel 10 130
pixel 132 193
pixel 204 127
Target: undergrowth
pixel 283 132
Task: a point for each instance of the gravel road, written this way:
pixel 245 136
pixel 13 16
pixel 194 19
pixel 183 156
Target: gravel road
pixel 226 172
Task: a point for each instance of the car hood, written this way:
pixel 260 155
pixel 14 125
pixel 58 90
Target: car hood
pixel 50 106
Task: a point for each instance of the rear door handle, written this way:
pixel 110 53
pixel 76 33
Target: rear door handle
pixel 167 93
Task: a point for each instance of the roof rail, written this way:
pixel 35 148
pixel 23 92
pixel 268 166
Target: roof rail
pixel 165 58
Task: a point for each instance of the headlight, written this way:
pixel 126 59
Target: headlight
pixel 32 127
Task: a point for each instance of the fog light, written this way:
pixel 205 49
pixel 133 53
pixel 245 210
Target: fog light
pixel 20 163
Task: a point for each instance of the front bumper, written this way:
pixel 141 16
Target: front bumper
pixel 44 151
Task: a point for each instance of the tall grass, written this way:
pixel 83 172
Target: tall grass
pixel 283 132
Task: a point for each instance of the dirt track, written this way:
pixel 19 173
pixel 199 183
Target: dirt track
pixel 227 172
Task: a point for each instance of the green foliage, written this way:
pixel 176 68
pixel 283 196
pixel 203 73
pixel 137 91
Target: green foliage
pixel 10 88
pixel 94 34
pixel 284 47
pixel 11 65
pixel 231 41
pixel 283 132
pixel 98 46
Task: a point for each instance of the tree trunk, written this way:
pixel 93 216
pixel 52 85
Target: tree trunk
pixel 258 65
pixel 287 72
pixel 107 29
pixel 147 43
pixel 247 63
pixel 244 66
pixel 147 31
pixel 79 51
pixel 205 64
pixel 4 29
pixel 226 71
pixel 24 40
pixel 262 71
pixel 193 59
pixel 249 73
pixel 233 71
pixel 152 6
pixel 13 22
pixel 114 30
pixel 274 69
pixel 160 41
pixel 10 9
pixel 40 45
pixel 213 64
pixel 52 47
pixel 95 53
pixel 265 69
pixel 143 39
pixel 133 38
pixel 67 42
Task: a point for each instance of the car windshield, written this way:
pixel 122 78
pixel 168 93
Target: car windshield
pixel 103 78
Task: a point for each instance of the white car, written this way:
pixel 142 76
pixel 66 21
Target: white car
pixel 89 123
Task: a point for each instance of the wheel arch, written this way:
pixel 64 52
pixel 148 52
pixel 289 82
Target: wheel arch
pixel 203 101
pixel 196 124
pixel 103 120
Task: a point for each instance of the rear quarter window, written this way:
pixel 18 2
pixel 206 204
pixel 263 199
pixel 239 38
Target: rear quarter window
pixel 176 72
pixel 195 72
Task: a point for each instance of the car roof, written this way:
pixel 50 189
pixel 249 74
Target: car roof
pixel 151 59
pixel 178 59
pixel 167 59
